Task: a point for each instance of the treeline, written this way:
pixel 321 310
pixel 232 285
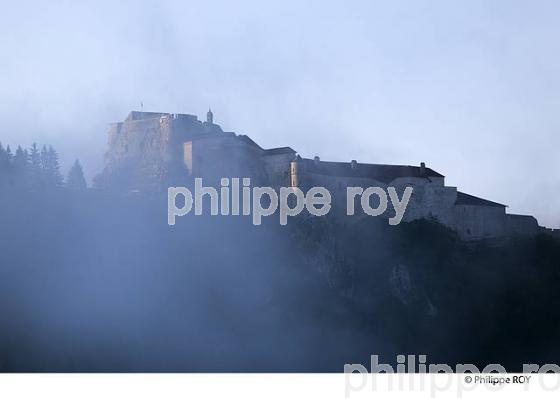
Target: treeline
pixel 37 169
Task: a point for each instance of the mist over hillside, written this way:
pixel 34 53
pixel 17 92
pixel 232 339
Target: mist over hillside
pixel 92 280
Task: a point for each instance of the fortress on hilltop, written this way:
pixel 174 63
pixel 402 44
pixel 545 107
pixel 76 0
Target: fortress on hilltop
pixel 150 151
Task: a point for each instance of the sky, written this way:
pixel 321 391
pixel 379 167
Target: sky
pixel 471 88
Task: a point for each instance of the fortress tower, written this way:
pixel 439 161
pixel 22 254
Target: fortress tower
pixel 148 151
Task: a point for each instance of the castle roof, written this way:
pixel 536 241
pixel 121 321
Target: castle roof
pixel 522 217
pixel 466 199
pixel 380 172
pixel 279 151
pixel 246 139
pixel 273 151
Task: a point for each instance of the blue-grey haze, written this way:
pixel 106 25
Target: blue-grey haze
pixel 471 87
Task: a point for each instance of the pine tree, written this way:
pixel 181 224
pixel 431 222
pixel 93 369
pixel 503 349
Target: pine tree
pixel 20 161
pixel 4 159
pixel 4 166
pixel 36 180
pixel 51 167
pixel 9 155
pixel 44 158
pixel 76 178
pixel 20 166
pixel 53 172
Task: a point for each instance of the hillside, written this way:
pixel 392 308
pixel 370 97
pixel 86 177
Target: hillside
pixel 93 281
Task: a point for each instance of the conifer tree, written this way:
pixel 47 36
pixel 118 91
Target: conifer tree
pixel 51 167
pixel 4 159
pixel 9 155
pixel 4 166
pixel 36 180
pixel 76 178
pixel 20 167
pixel 20 160
pixel 44 158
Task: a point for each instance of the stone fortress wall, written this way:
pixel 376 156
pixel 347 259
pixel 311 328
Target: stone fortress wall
pixel 149 151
